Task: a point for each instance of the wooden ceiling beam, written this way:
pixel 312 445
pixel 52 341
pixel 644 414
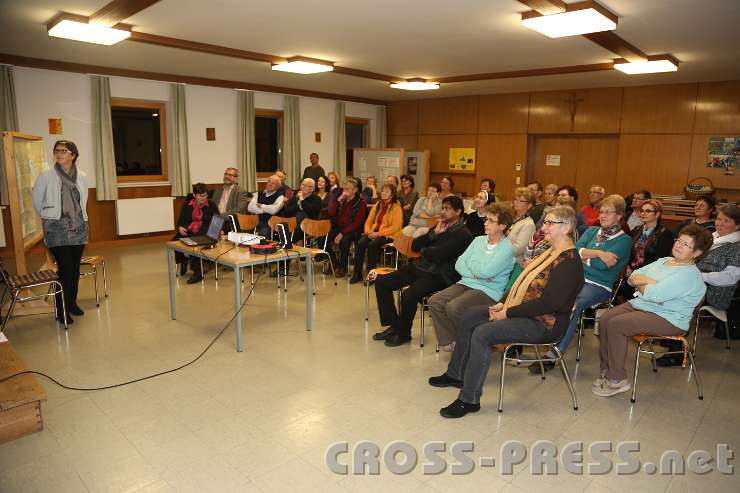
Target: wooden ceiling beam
pixel 574 69
pixel 118 10
pixel 612 42
pixel 545 7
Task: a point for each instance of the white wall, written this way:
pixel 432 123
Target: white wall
pixel 367 111
pixel 317 115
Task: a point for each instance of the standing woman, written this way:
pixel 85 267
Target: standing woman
pixel 407 196
pixel 60 198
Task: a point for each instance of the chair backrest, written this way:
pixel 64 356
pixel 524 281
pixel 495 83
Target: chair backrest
pixel 316 227
pixel 247 222
pixel 288 221
pixel 4 274
pixel 618 284
pixel 403 246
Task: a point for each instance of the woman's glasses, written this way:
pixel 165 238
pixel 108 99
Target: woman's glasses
pixel 547 222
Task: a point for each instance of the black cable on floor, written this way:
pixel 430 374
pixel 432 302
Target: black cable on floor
pixel 86 389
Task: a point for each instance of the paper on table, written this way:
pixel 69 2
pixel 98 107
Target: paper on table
pixel 3 338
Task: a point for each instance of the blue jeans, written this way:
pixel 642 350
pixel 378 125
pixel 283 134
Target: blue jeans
pixel 590 295
pixel 472 355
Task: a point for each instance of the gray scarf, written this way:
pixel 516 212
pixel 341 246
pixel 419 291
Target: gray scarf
pixel 70 193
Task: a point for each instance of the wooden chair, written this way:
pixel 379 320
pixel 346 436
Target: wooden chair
pixel 599 306
pixel 248 222
pixel 20 282
pixel 318 228
pixel 93 261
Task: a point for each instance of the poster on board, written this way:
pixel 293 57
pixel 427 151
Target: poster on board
pixel 724 153
pixel 462 159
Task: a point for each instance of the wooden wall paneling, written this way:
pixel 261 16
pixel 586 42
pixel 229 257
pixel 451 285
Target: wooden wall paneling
pixel 599 112
pixel 549 112
pixel 698 166
pixel 663 109
pixel 659 163
pixel 101 218
pixel 497 156
pixel 403 118
pixel 449 115
pixel 439 155
pixel 403 141
pixel 503 113
pixel 597 164
pixel 563 145
pixel 718 108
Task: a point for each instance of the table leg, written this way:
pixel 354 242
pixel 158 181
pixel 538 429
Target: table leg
pixel 309 292
pixel 237 306
pixel 171 273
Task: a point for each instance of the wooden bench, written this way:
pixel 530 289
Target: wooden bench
pixel 20 398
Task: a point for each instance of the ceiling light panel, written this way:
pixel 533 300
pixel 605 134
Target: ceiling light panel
pixel 79 30
pixel 304 65
pixel 415 85
pixel 650 67
pixel 589 18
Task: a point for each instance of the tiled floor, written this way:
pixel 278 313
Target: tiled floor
pixel 262 420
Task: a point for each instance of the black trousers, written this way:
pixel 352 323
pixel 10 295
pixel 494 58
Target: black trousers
pixel 68 264
pixel 344 245
pixel 372 247
pixel 420 284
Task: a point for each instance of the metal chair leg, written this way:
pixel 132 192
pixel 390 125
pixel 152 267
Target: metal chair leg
pixel 64 307
pixel 10 310
pixel 367 299
pixel 501 385
pixel 696 375
pixel 95 283
pixel 580 336
pixel 539 361
pixel 637 367
pixel 566 376
pixel 727 334
pixel 105 278
pixel 421 332
pixel 652 356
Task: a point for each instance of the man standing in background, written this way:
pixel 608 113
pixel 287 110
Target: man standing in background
pixel 315 170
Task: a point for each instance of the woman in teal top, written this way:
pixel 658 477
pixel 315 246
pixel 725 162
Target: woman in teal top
pixel 605 251
pixel 666 293
pixel 485 268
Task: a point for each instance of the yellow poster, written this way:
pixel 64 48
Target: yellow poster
pixel 462 159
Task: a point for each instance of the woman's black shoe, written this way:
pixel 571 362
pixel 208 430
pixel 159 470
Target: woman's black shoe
pixel 60 319
pixel 355 279
pixel 76 310
pixel 458 409
pixel 195 279
pixel 444 380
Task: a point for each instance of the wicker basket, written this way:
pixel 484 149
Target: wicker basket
pixel 699 187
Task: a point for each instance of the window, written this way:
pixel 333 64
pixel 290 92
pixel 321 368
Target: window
pixel 139 139
pixel 356 132
pixel 268 137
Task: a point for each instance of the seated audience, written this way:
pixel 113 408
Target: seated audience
pixel 475 219
pixel 426 208
pixel 392 180
pixel 284 187
pixel 638 198
pixel 550 195
pixel 383 222
pixel 489 186
pixel 484 268
pixel 322 191
pixel 407 196
pixel 667 292
pixel 568 195
pixel 314 170
pixel 230 199
pixel 266 204
pixel 371 190
pixel 650 241
pixel 333 180
pixel 523 227
pixel 195 217
pixel 539 205
pixel 446 185
pixel 590 211
pixel 720 268
pixel 348 215
pixel 604 251
pixel 302 205
pixel 704 210
pixel 536 311
pixel 434 271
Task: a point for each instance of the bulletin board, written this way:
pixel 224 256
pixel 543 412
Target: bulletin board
pixel 378 163
pixel 417 165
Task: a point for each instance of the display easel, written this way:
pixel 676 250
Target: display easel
pixel 25 159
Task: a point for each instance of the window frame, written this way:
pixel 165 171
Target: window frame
pixel 365 122
pixel 161 108
pixel 279 116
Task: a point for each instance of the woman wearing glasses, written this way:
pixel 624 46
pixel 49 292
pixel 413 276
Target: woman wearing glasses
pixel 60 198
pixel 536 310
pixel 523 228
pixel 650 241
pixel 667 291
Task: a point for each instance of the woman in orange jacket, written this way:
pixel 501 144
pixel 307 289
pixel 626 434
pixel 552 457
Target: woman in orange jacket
pixel 384 221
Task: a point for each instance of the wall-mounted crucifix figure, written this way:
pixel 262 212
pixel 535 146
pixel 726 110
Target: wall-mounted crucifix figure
pixel 573 100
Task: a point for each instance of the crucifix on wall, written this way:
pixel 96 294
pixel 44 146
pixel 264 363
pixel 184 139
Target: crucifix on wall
pixel 573 100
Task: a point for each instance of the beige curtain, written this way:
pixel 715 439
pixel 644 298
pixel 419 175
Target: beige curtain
pixel 180 165
pixel 381 127
pixel 245 126
pixel 106 180
pixel 292 140
pixel 340 141
pixel 8 121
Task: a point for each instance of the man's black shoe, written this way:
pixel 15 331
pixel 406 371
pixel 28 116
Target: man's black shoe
pixel 458 409
pixel 381 336
pixel 195 279
pixel 397 339
pixel 444 380
pixel 183 268
pixel 355 279
pixel 76 310
pixel 534 368
pixel 60 319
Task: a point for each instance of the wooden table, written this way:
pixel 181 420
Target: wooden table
pixel 224 253
pixel 20 398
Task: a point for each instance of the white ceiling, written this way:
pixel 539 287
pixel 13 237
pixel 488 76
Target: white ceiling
pixel 422 38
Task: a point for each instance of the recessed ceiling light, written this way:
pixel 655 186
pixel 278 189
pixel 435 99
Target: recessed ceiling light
pixel 654 65
pixel 77 28
pixel 304 65
pixel 415 85
pixel 579 18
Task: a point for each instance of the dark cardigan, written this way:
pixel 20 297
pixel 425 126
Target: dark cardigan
pixel 659 244
pixel 439 252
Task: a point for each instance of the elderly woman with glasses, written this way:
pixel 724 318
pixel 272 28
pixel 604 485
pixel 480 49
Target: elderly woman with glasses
pixel 536 311
pixel 667 291
pixel 523 227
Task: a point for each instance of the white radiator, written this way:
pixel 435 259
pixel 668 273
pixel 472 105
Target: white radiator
pixel 150 215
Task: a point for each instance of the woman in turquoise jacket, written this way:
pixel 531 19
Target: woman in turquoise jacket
pixel 667 291
pixel 485 267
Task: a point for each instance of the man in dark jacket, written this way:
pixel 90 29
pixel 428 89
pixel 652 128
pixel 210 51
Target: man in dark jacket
pixel 302 205
pixel 434 271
